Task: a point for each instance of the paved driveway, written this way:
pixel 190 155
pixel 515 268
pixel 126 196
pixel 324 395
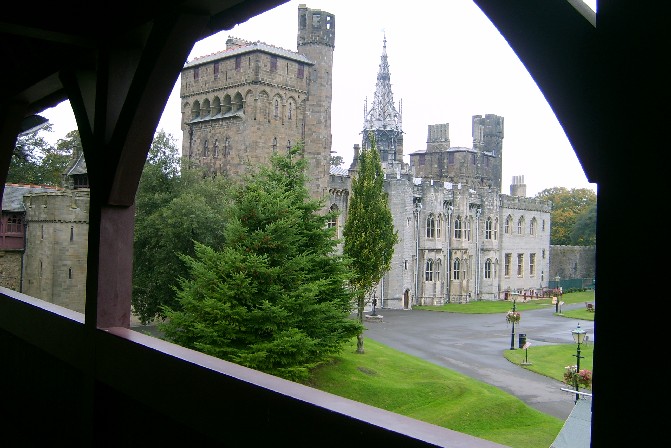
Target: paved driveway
pixel 473 344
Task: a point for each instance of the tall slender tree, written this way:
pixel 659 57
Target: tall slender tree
pixel 369 230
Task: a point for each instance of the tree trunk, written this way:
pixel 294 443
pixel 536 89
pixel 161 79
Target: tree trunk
pixel 359 337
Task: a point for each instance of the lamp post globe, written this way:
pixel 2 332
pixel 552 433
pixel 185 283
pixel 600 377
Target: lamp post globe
pixel 579 337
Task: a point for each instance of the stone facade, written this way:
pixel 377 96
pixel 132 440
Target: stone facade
pixel 242 104
pixel 460 238
pixel 56 247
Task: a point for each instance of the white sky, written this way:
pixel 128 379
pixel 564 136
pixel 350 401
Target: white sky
pixel 447 63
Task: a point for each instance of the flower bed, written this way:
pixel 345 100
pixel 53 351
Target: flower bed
pixel 572 376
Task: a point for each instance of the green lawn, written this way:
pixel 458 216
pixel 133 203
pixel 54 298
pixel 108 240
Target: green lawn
pixel 406 385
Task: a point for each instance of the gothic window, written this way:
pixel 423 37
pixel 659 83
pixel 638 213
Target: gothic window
pixel 507 264
pixel 468 227
pixel 273 63
pixel 276 112
pixel 205 148
pixel 532 226
pixel 436 270
pixel 456 269
pixel 215 70
pixel 206 108
pixel 488 228
pixel 439 226
pixel 457 227
pixel 430 227
pixel 216 147
pixel 428 272
pixel 507 228
pixel 274 144
pixel 227 146
pixel 333 219
pixel 14 224
pixel 532 265
pixel 227 106
pixel 488 268
pixel 520 265
pixel 520 226
pixel 291 110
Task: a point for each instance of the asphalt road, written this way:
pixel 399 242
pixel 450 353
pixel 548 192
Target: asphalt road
pixel 473 344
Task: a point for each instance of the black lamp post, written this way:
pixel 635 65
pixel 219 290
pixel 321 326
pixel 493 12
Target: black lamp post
pixel 578 337
pixel 557 278
pixel 512 332
pixel 374 304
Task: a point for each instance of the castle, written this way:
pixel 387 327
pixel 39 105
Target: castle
pixel 460 238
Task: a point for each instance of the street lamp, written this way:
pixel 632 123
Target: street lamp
pixel 578 337
pixel 374 304
pixel 512 332
pixel 557 278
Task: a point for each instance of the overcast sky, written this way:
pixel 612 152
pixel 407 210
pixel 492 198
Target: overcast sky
pixel 447 63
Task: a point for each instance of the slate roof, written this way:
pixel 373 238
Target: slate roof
pixel 252 46
pixel 12 198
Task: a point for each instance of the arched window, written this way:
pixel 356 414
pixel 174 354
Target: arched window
pixel 507 229
pixel 430 226
pixel 488 228
pixel 216 148
pixel 488 268
pixel 428 272
pixel 205 148
pixel 520 226
pixel 436 270
pixel 532 226
pixel 333 219
pixel 456 269
pixel 276 112
pixel 469 221
pixel 291 110
pixel 457 227
pixel 227 146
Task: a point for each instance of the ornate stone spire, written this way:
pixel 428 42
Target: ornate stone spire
pixel 383 119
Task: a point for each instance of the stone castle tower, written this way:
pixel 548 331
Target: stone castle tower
pixel 242 104
pixel 460 238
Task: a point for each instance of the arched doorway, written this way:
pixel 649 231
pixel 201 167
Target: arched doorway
pixel 406 299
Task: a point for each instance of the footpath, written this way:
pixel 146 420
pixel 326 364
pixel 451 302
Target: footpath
pixel 473 345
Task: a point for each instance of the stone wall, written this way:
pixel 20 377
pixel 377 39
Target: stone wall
pixel 569 262
pixel 10 269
